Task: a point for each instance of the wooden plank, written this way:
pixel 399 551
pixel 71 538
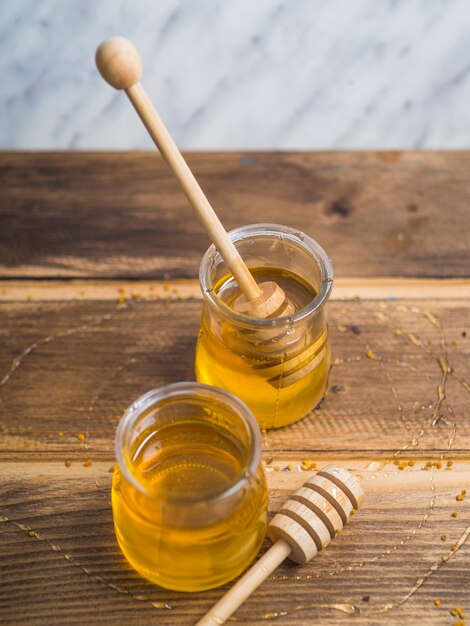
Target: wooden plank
pixel 386 567
pixel 121 214
pixel 344 289
pixel 73 366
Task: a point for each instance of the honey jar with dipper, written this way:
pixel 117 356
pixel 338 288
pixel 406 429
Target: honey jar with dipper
pixel 263 333
pixel 278 365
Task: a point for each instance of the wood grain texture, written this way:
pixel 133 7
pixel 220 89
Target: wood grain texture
pixel 109 215
pixel 73 572
pixel 94 366
pixel 72 358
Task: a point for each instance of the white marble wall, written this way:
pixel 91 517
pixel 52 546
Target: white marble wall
pixel 240 74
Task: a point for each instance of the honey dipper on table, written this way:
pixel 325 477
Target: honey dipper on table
pixel 119 64
pixel 305 524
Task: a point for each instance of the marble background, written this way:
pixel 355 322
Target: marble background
pixel 240 74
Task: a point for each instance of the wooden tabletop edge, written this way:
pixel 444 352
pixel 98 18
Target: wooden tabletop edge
pixel 391 288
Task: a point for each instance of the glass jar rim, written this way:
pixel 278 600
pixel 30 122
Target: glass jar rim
pixel 177 391
pixel 276 230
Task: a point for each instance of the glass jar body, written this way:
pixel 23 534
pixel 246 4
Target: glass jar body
pixel 278 367
pixel 196 518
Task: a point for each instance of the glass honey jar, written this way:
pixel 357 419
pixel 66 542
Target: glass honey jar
pixel 189 493
pixel 278 366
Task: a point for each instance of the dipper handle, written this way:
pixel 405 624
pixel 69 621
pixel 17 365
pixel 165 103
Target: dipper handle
pixel 119 64
pixel 306 524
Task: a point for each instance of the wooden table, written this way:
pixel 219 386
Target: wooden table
pixel 99 302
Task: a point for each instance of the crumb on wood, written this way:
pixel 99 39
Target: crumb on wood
pixel 336 388
pixel 354 328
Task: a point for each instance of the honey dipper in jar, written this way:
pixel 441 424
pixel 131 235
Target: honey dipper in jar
pixel 269 347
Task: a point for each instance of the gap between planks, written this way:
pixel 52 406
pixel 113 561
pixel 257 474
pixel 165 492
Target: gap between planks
pixel 293 457
pixel 413 478
pixel 392 288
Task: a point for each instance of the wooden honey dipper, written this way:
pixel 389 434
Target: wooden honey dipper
pixel 306 523
pixel 120 65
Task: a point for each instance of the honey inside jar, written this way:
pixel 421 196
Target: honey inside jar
pixel 190 506
pixel 279 368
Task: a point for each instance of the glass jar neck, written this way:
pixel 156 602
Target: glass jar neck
pixel 164 405
pixel 276 246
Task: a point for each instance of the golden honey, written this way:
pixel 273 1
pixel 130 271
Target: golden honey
pixel 189 495
pixel 278 367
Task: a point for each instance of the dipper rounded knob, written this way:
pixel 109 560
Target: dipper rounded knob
pixel 119 63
